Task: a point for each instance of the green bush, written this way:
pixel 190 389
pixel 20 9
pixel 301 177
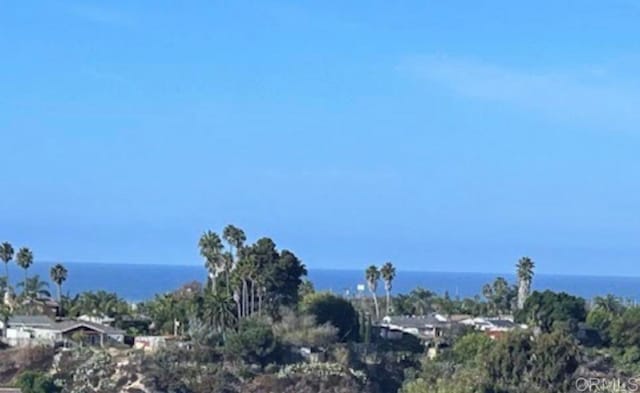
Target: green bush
pixel 335 310
pixel 36 382
pixel 253 343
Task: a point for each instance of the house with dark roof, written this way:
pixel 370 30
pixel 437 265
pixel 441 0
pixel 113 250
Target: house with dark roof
pixel 425 327
pixel 25 330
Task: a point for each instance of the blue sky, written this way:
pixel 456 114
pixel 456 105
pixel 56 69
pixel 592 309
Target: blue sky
pixel 452 136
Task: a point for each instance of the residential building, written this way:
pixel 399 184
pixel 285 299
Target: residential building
pixel 41 330
pixel 494 327
pixel 426 327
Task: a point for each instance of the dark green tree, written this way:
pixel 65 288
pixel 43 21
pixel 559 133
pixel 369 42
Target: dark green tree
pixel 548 310
pixel 326 307
pixel 253 343
pixel 472 348
pixel 520 363
pixel 625 329
pixel 275 277
pixel 36 382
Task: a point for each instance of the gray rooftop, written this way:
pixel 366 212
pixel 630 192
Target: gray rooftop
pixel 44 322
pixel 66 326
pixel 41 321
pixel 416 322
pixel 502 323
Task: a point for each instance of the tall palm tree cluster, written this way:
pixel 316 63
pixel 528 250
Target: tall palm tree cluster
pixel 32 287
pixel 372 275
pixel 247 275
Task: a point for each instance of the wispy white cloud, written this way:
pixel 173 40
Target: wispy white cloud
pixel 586 94
pixel 101 15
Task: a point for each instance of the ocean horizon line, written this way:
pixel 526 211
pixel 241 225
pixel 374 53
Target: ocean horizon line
pixel 350 269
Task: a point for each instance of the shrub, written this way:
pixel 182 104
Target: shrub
pixel 253 343
pixel 328 308
pixel 36 382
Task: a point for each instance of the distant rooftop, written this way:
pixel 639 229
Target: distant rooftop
pixel 415 321
pixel 44 322
pixel 31 320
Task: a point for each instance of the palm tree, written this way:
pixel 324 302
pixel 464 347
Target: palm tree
pixel 24 258
pixel 388 272
pixel 235 238
pixel 245 269
pixel 33 287
pixel 372 275
pixel 218 310
pixel 59 275
pixel 421 301
pixel 525 276
pixel 6 255
pixel 211 249
pixel 609 303
pixel 487 292
pixel 99 304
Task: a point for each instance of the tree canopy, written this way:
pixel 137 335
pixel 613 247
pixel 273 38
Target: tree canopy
pixel 329 308
pixel 549 309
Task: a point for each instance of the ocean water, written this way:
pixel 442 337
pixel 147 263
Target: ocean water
pixel 140 282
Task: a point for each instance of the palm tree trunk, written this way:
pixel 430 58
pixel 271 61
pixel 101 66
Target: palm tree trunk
pixel 60 310
pixel 259 301
pixel 6 273
pixel 24 290
pixel 237 298
pixel 388 301
pixel 375 303
pixel 522 293
pixel 253 289
pixel 245 300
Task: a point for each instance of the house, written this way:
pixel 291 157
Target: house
pixel 457 318
pixel 28 330
pixel 425 327
pixel 99 319
pixel 493 327
pixel 90 333
pixel 150 343
pixel 42 306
